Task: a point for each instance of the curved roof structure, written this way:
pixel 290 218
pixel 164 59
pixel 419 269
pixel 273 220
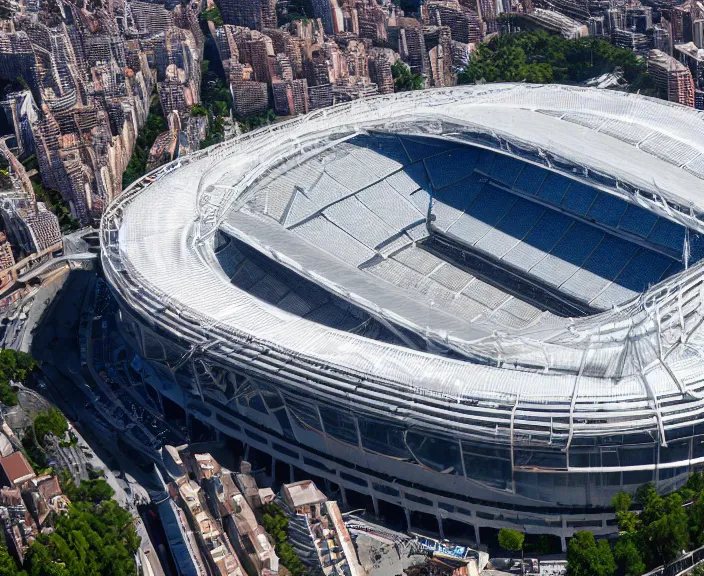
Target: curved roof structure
pixel 397 207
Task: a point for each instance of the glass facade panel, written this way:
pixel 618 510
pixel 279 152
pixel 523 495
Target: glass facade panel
pixel 585 458
pixel 636 455
pixel 339 425
pixel 270 395
pixel 675 452
pixel 698 447
pixel 436 453
pixel 305 414
pixel 637 477
pixel 540 459
pixel 382 437
pixel 490 465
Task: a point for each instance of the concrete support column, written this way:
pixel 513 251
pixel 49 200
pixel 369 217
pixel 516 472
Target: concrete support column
pixel 343 495
pixel 246 452
pixel 408 518
pixel 375 503
pixel 476 534
pixel 290 473
pixel 563 543
pixel 440 527
pixel 273 471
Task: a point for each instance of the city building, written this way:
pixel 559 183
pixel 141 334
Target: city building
pixel 671 77
pixel 467 309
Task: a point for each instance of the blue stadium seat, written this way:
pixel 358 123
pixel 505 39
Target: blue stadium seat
pixel 450 167
pixel 578 198
pixel 667 233
pixel 646 268
pixel 522 217
pixel 548 231
pixel 506 169
pixel 461 194
pixel 491 205
pixel 607 209
pixel 610 257
pixel 530 179
pixel 554 187
pixel 578 243
pixel 638 221
pixel 485 161
pixel 420 149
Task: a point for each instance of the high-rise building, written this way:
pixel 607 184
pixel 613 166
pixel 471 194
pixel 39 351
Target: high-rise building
pixel 254 14
pixel 693 58
pixel 320 96
pixel 290 97
pixel 249 97
pixel 380 70
pixel 671 77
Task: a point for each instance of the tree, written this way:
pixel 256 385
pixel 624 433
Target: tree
pixel 404 79
pixel 628 557
pixel 627 521
pixel 51 421
pixel 96 539
pixel 512 540
pixel 213 15
pixel 668 536
pixel 14 367
pixel 94 491
pixel 544 58
pixel 276 524
pixel 8 566
pixel 587 557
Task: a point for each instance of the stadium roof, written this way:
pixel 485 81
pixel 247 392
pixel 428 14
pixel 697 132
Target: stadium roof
pixel 159 242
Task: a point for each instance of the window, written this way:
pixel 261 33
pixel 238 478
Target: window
pixel 675 451
pixel 382 437
pixel 438 454
pixel 388 490
pixel 353 479
pixel 490 465
pixel 539 459
pixel 306 414
pixel 418 499
pixel 339 425
pixel 271 396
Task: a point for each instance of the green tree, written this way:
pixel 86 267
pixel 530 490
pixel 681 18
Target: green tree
pixel 544 58
pixel 8 566
pixel 50 421
pixel 668 536
pixel 628 556
pixel 587 557
pixel 14 367
pixel 512 540
pixel 627 521
pixel 93 539
pixel 275 523
pixel 213 15
pixel 404 79
pixel 94 491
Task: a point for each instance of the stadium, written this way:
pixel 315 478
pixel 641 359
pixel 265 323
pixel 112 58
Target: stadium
pixel 469 308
